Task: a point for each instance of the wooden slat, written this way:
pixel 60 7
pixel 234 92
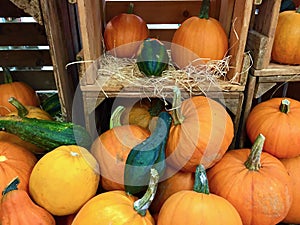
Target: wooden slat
pixel 160 12
pixel 16 34
pixel 29 58
pixel 8 9
pixel 38 80
pixel 275 69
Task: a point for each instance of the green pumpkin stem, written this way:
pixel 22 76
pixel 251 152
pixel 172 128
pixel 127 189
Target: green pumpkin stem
pixel 253 161
pixel 204 11
pixel 22 111
pixel 285 106
pixel 141 205
pixel 177 116
pixel 201 182
pixel 12 186
pixel 130 9
pixel 7 76
pixel 298 10
pixel 115 119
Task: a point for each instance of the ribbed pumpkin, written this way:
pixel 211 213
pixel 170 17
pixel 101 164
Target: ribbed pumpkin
pixel 15 161
pixel 17 208
pixel 286 48
pixel 278 119
pixel 173 181
pixel 20 90
pixel 201 132
pixel 198 206
pixel 118 207
pixel 111 150
pixel 199 37
pixel 254 182
pixel 293 167
pixel 64 179
pixel 123 34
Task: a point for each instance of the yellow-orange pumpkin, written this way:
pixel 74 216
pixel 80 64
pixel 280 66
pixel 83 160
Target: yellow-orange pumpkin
pixel 286 48
pixel 199 37
pixel 123 34
pixel 255 183
pixel 16 207
pixel 15 161
pixel 64 179
pixel 201 133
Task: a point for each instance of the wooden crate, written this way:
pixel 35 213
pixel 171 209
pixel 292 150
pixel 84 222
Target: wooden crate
pixel 233 15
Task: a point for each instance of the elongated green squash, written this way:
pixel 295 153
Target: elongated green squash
pixel 146 155
pixel 46 134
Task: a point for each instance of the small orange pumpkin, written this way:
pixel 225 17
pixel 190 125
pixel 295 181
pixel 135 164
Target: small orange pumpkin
pixel 286 48
pixel 15 161
pixel 278 119
pixel 123 34
pixel 199 37
pixel 16 207
pixel 198 206
pixel 201 132
pixel 254 182
pixel 20 90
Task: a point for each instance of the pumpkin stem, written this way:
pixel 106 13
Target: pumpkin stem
pixel 22 111
pixel 204 11
pixel 285 106
pixel 12 186
pixel 156 107
pixel 7 76
pixel 253 161
pixel 298 10
pixel 177 116
pixel 141 205
pixel 201 182
pixel 115 119
pixel 130 9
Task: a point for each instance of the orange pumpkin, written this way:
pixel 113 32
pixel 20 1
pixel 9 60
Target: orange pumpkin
pixel 199 37
pixel 198 206
pixel 254 182
pixel 15 161
pixel 293 167
pixel 118 207
pixel 20 90
pixel 286 49
pixel 123 34
pixel 278 119
pixel 201 133
pixel 173 181
pixel 111 150
pixel 16 207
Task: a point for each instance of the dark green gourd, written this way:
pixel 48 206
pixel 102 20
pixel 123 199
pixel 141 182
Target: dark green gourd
pixel 152 57
pixel 146 155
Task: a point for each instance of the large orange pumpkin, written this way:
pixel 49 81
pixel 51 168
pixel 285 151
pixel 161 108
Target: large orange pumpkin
pixel 286 49
pixel 293 167
pixel 64 179
pixel 17 208
pixel 111 150
pixel 199 37
pixel 255 183
pixel 20 90
pixel 15 161
pixel 201 133
pixel 278 119
pixel 123 34
pixel 118 207
pixel 198 206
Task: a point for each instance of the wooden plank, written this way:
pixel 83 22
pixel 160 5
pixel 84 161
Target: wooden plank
pixel 170 12
pixel 226 12
pixel 17 34
pixel 29 58
pixel 278 79
pixel 275 69
pixel 8 9
pixel 91 31
pixel 38 80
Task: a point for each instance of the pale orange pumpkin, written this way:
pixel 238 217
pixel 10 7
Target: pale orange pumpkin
pixel 201 37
